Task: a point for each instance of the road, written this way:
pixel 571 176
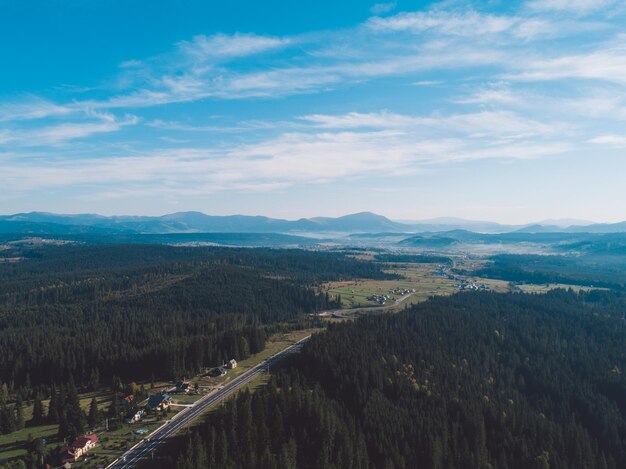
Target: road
pixel 145 447
pixel 349 313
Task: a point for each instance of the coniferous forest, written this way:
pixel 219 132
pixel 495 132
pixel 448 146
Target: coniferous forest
pixel 89 314
pixel 476 380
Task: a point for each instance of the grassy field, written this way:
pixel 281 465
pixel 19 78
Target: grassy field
pixel 13 444
pixel 532 288
pixel 421 277
pixel 427 282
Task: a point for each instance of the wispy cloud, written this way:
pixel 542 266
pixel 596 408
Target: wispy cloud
pixel 61 133
pixel 486 123
pixel 382 8
pixel 327 148
pixel 467 23
pixel 577 6
pixel 615 141
pixel 503 93
pixel 605 63
pixel 404 44
pixel 31 107
pixel 223 46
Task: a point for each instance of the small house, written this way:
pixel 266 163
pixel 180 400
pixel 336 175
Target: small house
pixel 183 387
pixel 219 371
pixel 133 417
pixel 231 364
pixel 159 401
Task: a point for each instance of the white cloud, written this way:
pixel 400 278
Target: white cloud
pixel 427 83
pixel 331 148
pixel 382 8
pixel 31 107
pixel 61 133
pixel 606 63
pixel 615 141
pixel 200 68
pixel 223 46
pixel 70 131
pixel 577 6
pixel 492 95
pixel 463 23
pixel 503 124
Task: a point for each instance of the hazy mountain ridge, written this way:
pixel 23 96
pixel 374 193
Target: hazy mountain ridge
pixel 198 222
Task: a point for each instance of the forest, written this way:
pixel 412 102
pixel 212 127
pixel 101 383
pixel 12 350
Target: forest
pixel 590 270
pixel 88 314
pixel 476 380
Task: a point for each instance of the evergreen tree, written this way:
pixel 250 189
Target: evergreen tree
pixel 94 379
pixel 19 413
pixel 94 414
pixel 4 394
pixel 7 419
pixel 115 408
pixel 38 410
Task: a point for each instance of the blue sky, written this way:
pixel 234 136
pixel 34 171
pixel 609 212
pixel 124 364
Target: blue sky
pixel 507 111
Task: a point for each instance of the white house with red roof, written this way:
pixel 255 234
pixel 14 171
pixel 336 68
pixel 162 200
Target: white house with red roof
pixel 78 448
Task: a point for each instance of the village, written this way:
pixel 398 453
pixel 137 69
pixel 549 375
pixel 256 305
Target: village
pixel 383 299
pixel 464 284
pixel 142 415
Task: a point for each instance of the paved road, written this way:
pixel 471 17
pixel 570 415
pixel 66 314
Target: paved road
pixel 349 313
pixel 145 447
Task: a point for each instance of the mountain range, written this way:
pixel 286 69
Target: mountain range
pixel 197 222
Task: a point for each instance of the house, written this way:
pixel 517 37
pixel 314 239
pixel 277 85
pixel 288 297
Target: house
pixel 159 401
pixel 183 387
pixel 78 448
pixel 133 417
pixel 231 364
pixel 220 371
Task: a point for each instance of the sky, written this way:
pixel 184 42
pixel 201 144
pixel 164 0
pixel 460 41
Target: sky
pixel 510 111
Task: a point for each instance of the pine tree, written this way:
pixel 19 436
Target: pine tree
pixel 4 394
pixel 57 404
pixel 7 420
pixel 114 408
pixel 221 454
pixel 200 460
pixel 19 413
pixel 94 414
pixel 94 379
pixel 38 410
pixel 72 422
